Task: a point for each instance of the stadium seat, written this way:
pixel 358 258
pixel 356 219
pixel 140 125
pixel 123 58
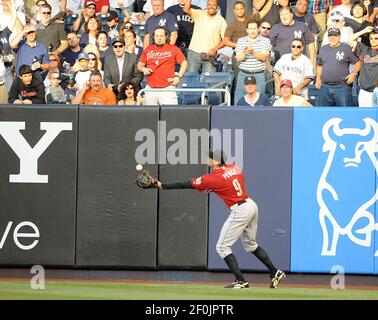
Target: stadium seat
pixel 213 79
pixel 191 97
pixel 139 30
pixel 217 77
pixel 313 95
pixel 69 21
pixel 190 77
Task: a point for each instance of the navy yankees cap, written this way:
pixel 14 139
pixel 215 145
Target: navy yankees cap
pixel 118 39
pixel 249 80
pixel 218 155
pixel 111 15
pixel 334 32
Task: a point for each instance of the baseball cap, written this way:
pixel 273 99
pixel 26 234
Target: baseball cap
pixel 118 39
pixel 286 82
pixel 90 3
pixel 218 155
pixel 333 32
pixel 111 15
pixel 83 55
pixel 30 28
pixel 337 15
pixel 249 80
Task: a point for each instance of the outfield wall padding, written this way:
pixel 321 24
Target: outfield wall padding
pixel 266 158
pixel 183 222
pixel 68 198
pixel 335 190
pixel 38 192
pixel 116 220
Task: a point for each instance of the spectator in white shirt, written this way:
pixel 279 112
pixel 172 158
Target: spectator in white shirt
pixel 296 67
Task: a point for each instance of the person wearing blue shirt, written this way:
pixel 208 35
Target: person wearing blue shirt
pixel 253 98
pixel 31 52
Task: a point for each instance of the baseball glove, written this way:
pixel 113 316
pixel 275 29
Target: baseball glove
pixel 146 180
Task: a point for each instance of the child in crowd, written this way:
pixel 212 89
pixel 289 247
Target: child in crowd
pixel 55 93
pixel 82 76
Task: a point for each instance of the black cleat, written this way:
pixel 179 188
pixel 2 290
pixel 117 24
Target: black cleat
pixel 238 285
pixel 277 278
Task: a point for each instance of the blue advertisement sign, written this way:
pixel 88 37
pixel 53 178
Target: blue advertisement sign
pixel 334 223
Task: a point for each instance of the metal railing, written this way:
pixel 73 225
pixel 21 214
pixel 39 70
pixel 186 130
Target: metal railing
pixel 214 88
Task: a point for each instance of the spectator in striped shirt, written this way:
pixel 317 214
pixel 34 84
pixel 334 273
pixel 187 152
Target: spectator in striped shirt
pixel 319 9
pixel 252 52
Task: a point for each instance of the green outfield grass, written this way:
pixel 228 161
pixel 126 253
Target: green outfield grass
pixel 76 290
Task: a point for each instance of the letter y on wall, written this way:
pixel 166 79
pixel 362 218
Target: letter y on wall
pixel 10 130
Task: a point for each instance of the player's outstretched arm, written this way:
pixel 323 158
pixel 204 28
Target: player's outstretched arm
pixel 176 185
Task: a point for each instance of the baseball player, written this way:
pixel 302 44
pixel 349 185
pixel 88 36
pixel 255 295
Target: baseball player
pixel 227 181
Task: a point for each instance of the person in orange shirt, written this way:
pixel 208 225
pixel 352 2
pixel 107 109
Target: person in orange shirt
pixel 94 93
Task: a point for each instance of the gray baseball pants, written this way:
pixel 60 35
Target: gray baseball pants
pixel 242 222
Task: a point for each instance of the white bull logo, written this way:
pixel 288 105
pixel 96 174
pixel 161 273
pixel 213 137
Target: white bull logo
pixel 350 151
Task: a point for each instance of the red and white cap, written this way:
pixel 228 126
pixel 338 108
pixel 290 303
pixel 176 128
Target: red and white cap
pixel 286 82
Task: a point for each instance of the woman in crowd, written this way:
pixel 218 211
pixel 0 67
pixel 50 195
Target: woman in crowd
pixel 128 95
pixel 55 66
pixel 93 63
pixel 90 48
pixel 130 43
pixel 91 27
pixel 128 26
pixel 358 21
pixel 103 46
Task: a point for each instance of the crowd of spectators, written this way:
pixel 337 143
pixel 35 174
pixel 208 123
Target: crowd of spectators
pixel 102 52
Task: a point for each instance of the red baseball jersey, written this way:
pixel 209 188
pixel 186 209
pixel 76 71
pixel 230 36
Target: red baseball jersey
pixel 227 182
pixel 162 61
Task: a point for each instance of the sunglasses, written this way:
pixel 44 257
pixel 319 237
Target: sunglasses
pixel 46 12
pixel 267 28
pixel 119 46
pixel 297 47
